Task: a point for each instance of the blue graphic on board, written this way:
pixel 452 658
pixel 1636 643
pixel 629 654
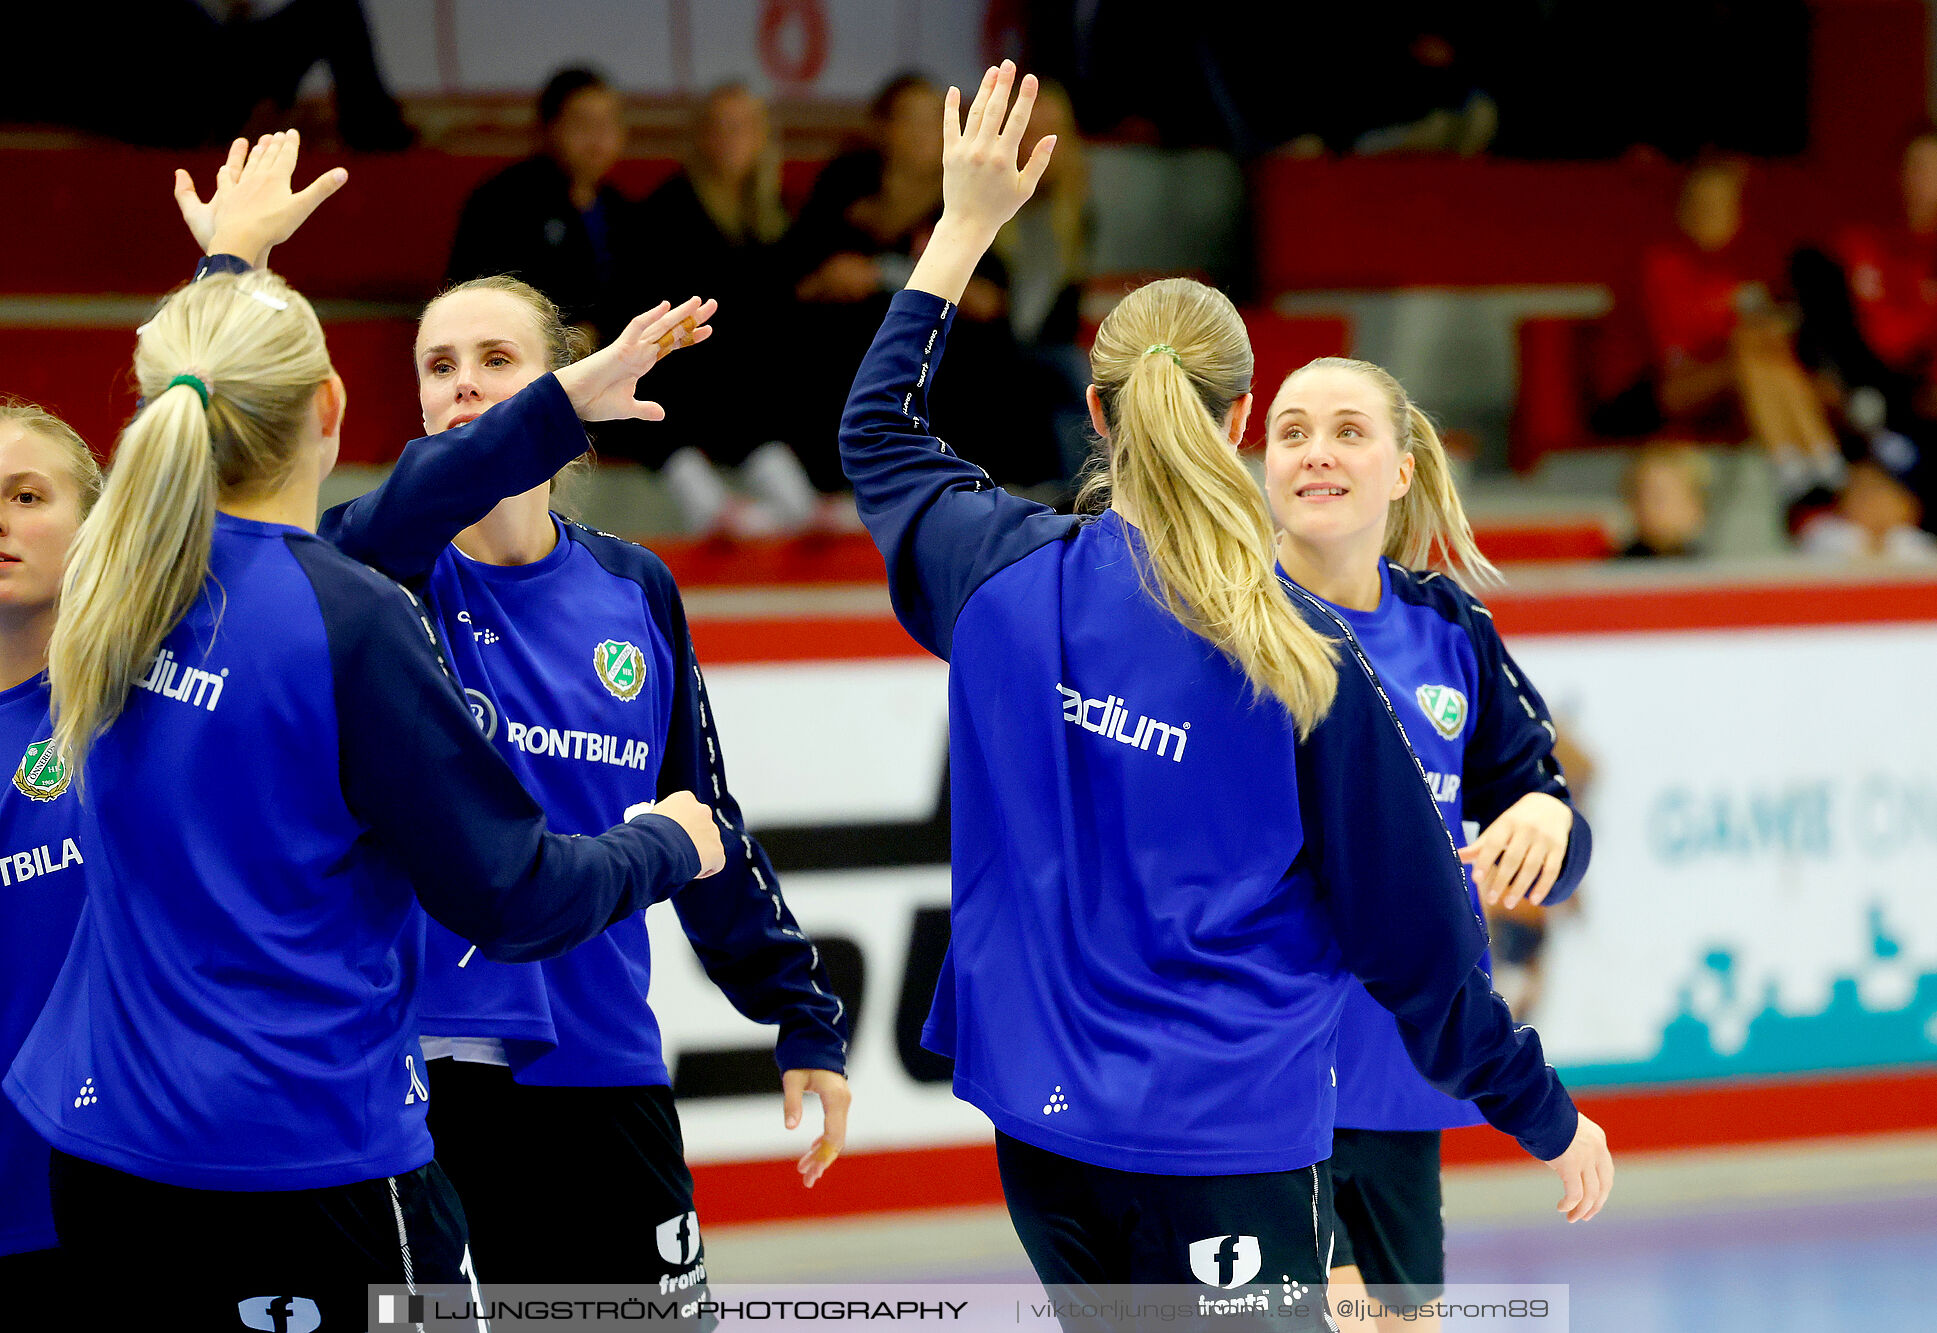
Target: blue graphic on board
pixel 1721 1031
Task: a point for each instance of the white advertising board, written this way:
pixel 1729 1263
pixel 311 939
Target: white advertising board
pixel 1763 897
pixel 831 49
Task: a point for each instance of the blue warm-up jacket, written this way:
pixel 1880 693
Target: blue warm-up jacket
pixel 294 773
pixel 581 672
pixel 1160 895
pixel 41 856
pixel 1484 736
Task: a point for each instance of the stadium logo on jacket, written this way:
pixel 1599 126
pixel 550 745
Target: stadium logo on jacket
pixel 1108 717
pixel 1445 708
pixel 621 668
pixel 172 678
pixel 41 775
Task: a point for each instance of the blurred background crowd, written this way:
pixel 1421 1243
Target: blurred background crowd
pixel 1666 273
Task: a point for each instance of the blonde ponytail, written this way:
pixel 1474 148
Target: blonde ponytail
pixel 1427 527
pixel 142 557
pixel 1168 362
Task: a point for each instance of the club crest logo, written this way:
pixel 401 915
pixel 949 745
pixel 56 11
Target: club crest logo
pixel 41 775
pixel 1444 707
pixel 621 668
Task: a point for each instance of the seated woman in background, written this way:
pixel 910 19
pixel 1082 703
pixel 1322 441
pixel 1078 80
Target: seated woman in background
pixel 868 219
pixel 554 220
pixel 1045 250
pixel 1870 324
pixel 1724 354
pixel 716 227
pixel 1876 517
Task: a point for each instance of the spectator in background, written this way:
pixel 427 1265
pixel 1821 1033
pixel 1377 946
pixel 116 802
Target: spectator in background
pixel 1870 325
pixel 1666 489
pixel 180 74
pixel 868 218
pixel 716 227
pixel 1045 251
pixel 1433 59
pixel 1724 353
pixel 1876 517
pixel 553 219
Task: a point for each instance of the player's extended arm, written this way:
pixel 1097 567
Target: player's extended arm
pixel 740 926
pixel 444 483
pixel 1396 898
pixel 1533 843
pixel 442 803
pixel 942 525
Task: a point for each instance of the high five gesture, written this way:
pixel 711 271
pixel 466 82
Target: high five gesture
pixel 982 187
pixel 252 207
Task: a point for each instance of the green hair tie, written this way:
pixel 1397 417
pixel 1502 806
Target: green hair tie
pixel 194 382
pixel 1167 350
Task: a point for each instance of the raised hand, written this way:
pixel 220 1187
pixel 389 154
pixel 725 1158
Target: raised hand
pixel 252 208
pixel 200 216
pixel 601 386
pixel 981 185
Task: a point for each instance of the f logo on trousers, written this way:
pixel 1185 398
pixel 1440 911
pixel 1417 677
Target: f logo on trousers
pixel 280 1314
pixel 679 1239
pixel 1225 1261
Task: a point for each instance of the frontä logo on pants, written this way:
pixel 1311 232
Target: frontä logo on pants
pixel 621 668
pixel 679 1239
pixel 1225 1261
pixel 280 1314
pixel 41 775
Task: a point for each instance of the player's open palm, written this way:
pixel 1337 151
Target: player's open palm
pixel 253 206
pixel 981 185
pixel 602 385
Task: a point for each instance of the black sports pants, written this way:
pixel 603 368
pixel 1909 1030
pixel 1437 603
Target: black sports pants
pixel 1091 1231
pixel 167 1257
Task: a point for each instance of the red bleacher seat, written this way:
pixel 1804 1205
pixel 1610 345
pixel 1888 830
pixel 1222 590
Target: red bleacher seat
pixel 104 219
pixel 1281 343
pixel 84 376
